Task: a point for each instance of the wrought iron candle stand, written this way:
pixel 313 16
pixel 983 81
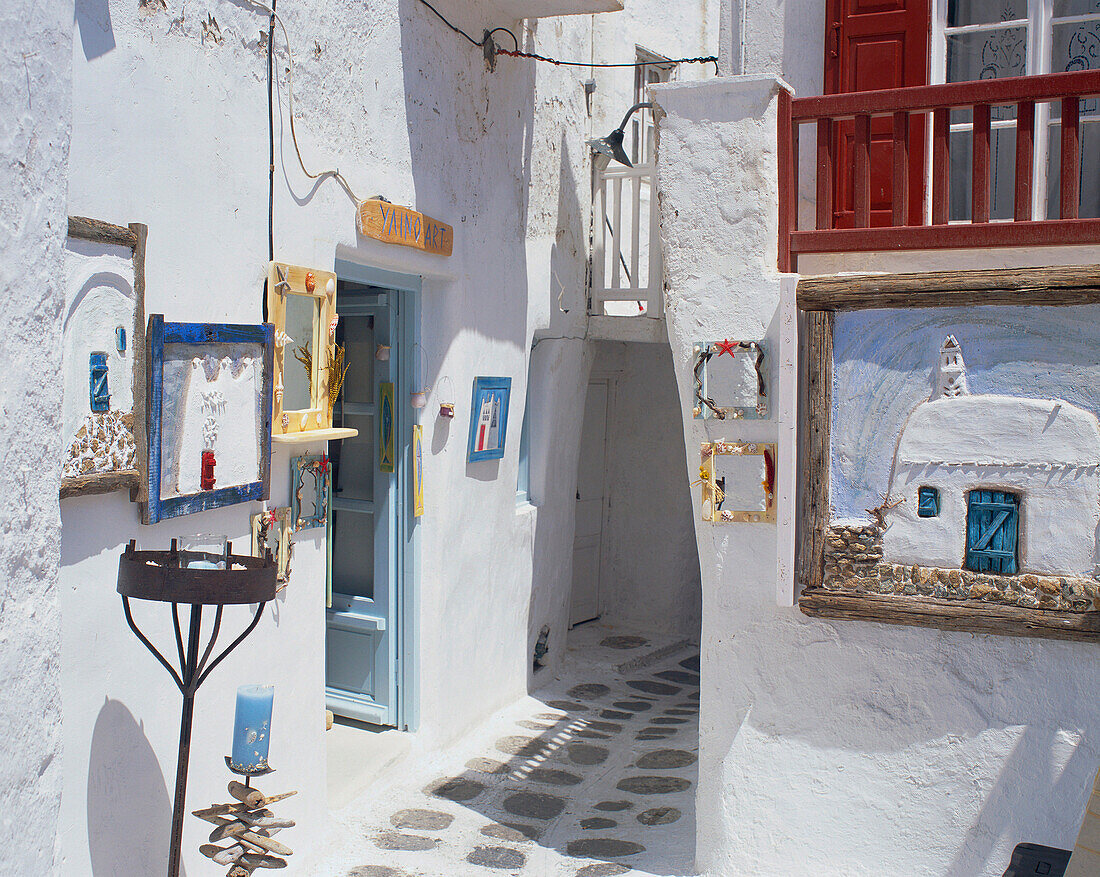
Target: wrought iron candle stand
pixel 158 576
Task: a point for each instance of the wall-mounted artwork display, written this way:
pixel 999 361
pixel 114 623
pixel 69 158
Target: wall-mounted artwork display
pixel 729 380
pixel 385 427
pixel 418 470
pixel 309 368
pixel 954 463
pixel 273 530
pixel 209 416
pixel 310 485
pixel 738 482
pixel 103 364
pixel 489 418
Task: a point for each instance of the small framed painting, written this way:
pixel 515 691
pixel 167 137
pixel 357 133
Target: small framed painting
pixel 729 380
pixel 489 419
pixel 385 427
pixel 309 491
pixel 273 530
pixel 418 470
pixel 738 482
pixel 209 416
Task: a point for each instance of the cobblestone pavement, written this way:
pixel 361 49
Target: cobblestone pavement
pixel 593 776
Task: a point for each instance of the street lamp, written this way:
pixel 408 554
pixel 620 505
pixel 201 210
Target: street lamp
pixel 611 146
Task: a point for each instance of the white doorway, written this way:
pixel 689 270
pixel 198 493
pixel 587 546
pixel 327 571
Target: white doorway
pixel 591 509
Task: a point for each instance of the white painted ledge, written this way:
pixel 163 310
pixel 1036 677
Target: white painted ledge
pixel 644 329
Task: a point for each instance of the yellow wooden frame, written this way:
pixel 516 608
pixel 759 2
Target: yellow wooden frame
pixel 314 423
pixel 710 450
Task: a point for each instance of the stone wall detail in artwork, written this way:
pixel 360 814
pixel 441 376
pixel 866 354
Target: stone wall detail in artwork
pixel 854 564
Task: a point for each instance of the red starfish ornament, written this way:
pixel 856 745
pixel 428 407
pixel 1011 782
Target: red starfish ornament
pixel 726 346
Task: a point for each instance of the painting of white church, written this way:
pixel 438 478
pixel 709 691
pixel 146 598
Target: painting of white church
pixel 994 483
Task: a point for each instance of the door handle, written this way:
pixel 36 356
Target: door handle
pixel 834 40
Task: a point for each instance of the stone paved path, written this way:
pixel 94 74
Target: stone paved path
pixel 593 776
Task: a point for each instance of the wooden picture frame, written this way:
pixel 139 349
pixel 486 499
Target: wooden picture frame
pixel 488 419
pixel 255 347
pixel 86 231
pixel 821 298
pixel 310 491
pixel 272 530
pixel 710 401
pixel 714 489
pixel 291 285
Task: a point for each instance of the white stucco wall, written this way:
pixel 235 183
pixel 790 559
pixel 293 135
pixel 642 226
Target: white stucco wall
pixel 650 563
pixel 35 95
pixel 830 747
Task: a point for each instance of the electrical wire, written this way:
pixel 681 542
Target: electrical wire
pixel 517 53
pixel 335 174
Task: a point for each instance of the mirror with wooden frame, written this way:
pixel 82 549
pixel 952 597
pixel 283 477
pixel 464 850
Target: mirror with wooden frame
pixel 729 380
pixel 738 481
pixel 301 302
pixel 273 530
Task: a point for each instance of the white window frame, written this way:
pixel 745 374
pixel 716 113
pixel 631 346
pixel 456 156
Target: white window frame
pixel 1040 23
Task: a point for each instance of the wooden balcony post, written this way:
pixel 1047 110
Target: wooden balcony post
pixel 979 180
pixel 1025 138
pixel 1071 157
pixel 900 193
pixel 787 177
pixel 826 170
pixel 941 166
pixel 862 171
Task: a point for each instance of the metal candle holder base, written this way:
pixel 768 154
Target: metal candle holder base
pixel 157 575
pixel 248 773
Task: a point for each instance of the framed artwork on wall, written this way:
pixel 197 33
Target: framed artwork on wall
pixel 418 470
pixel 310 485
pixel 488 418
pixel 209 416
pixel 738 481
pixel 309 366
pixel 729 380
pixel 272 530
pixel 385 427
pixel 103 358
pixel 952 450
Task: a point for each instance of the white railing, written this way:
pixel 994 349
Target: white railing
pixel 626 246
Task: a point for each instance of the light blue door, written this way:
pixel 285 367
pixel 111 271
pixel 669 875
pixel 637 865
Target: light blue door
pixel 362 619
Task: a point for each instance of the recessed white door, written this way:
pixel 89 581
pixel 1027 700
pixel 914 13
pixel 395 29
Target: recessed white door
pixel 585 599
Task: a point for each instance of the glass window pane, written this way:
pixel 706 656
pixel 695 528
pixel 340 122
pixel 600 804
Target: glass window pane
pixel 355 465
pixel 1075 7
pixel 356 335
pixel 1076 47
pixel 1002 173
pixel 1089 207
pixel 963 12
pixel 987 54
pixel 353 554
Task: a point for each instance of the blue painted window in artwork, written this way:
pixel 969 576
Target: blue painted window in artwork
pixel 120 339
pixel 992 528
pixel 97 380
pixel 928 502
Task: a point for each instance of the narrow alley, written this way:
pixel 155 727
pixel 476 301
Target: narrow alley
pixel 593 777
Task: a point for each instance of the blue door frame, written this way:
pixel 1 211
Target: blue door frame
pixel 392 505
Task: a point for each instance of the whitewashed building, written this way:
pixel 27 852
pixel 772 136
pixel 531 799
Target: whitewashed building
pixel 1032 464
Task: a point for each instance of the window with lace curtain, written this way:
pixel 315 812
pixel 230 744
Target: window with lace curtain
pixel 995 39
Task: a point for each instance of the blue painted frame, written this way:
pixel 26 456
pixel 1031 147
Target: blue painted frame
pixel 160 333
pixel 406 548
pixel 483 388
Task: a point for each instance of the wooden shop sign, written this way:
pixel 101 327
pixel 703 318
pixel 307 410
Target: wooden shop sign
pixel 393 224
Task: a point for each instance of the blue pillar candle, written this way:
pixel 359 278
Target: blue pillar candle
pixel 252 727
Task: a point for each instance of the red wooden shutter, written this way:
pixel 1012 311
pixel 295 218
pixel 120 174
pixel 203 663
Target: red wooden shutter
pixel 871 45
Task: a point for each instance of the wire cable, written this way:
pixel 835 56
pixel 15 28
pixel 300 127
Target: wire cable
pixel 517 53
pixel 335 174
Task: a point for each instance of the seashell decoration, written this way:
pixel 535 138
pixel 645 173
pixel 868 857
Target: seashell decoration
pixel 311 282
pixel 282 339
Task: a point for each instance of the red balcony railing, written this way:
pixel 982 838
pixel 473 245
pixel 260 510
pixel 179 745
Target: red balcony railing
pixel 897 117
